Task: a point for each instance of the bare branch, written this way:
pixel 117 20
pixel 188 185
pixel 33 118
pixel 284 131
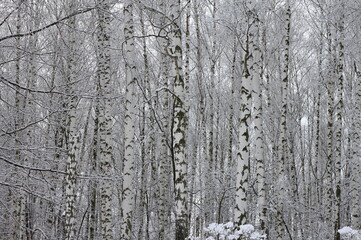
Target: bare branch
pixel 31 168
pixel 6 18
pixel 47 26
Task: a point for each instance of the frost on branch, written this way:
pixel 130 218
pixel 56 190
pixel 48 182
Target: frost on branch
pixel 229 231
pixel 348 233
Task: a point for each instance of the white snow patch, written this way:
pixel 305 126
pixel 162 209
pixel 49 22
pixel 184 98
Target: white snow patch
pixel 304 121
pixel 257 235
pixel 350 233
pixel 229 231
pixel 247 228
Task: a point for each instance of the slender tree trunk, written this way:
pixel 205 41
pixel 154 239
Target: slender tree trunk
pixel 27 220
pixel 258 133
pixel 249 75
pixel 105 120
pixel 73 140
pixel 53 219
pixel 164 164
pixel 165 143
pixel 284 158
pixel 356 166
pixel 330 136
pixel 210 188
pixel 18 226
pixel 148 151
pixel 179 124
pixel 93 215
pixel 128 165
pixel 339 118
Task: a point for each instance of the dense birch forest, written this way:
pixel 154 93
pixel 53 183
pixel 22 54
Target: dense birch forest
pixel 180 119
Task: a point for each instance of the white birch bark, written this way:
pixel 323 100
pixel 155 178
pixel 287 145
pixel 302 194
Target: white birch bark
pixel 150 173
pixel 339 117
pixel 329 194
pixel 53 219
pixel 179 123
pixel 130 101
pixel 284 153
pixel 210 198
pixel 356 161
pixel 164 163
pixel 164 167
pixel 72 138
pixel 73 147
pixel 258 132
pixel 146 151
pixel 105 119
pixel 94 195
pixel 249 74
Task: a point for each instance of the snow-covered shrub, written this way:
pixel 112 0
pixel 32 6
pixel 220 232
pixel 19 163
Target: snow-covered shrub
pixel 347 233
pixel 230 231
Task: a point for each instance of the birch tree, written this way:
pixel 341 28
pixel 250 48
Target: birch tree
pixel 105 118
pixel 179 123
pixel 72 135
pixel 130 101
pixel 339 116
pixel 284 158
pixel 356 166
pixel 165 157
pixel 261 217
pixel 19 201
pixel 249 74
pixel 331 73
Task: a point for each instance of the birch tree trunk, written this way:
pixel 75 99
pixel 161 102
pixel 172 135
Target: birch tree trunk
pixel 249 75
pixel 179 124
pixel 146 148
pixel 258 132
pixel 284 158
pixel 93 214
pixel 105 119
pixel 356 166
pixel 165 144
pixel 130 101
pixel 72 135
pixel 164 163
pixel 329 196
pixel 339 118
pixel 19 229
pixel 210 158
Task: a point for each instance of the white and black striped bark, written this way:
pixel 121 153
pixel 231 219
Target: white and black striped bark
pixel 249 75
pixel 93 219
pixel 105 119
pixel 329 194
pixel 356 161
pixel 261 217
pixel 164 163
pixel 72 141
pixel 73 148
pixel 146 145
pixel 210 157
pixel 339 117
pixel 129 122
pixel 284 153
pixel 179 123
